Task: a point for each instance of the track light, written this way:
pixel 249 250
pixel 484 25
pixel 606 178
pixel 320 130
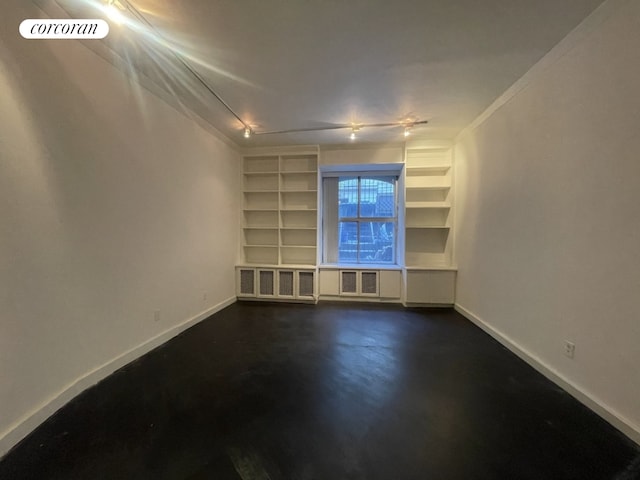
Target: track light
pixel 407 131
pixel 247 132
pixel 354 129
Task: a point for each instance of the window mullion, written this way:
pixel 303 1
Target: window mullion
pixel 358 222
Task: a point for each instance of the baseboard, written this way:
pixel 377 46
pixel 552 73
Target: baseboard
pixel 357 299
pixel 21 428
pixel 610 415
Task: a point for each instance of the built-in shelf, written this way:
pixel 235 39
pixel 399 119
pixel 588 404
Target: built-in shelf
pixel 430 187
pixel 280 209
pixel 435 227
pixel 428 170
pixel 280 238
pixel 428 207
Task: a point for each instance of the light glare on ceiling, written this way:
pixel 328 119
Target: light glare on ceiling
pixel 114 9
pixel 113 12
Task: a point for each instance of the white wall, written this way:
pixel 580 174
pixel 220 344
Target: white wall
pixel 548 215
pixel 112 205
pixel 361 154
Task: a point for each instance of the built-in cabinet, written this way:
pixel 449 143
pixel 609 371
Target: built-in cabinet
pixel 280 233
pixel 280 208
pixel 350 283
pixel 279 227
pixel 264 283
pixel 429 274
pixel 430 286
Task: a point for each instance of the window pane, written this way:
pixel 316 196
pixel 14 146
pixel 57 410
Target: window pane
pixel 377 197
pixel 358 234
pixel 348 197
pixel 376 242
pixel 348 242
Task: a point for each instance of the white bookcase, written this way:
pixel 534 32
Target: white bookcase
pixel 279 224
pixel 429 273
pixel 280 208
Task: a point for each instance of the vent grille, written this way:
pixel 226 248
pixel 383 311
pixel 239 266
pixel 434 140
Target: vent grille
pixel 348 283
pixel 247 280
pixel 266 282
pixel 285 284
pixel 370 282
pixel 305 284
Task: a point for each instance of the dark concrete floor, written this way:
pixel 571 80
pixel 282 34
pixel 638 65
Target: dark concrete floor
pixel 334 391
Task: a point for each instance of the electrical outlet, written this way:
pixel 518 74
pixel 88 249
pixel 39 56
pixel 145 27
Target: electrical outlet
pixel 569 349
pixel 156 316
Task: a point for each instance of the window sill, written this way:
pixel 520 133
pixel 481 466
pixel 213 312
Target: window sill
pixel 360 266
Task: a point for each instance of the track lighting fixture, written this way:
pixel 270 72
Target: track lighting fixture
pixel 407 126
pixel 247 132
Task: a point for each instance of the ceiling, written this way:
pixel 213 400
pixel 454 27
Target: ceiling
pixel 295 64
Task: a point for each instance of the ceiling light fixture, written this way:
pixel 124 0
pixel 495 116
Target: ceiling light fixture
pixel 247 132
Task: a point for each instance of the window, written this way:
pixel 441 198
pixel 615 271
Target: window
pixel 360 219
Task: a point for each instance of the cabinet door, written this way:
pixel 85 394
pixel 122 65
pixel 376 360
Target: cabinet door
pixel 348 282
pixel 246 282
pixel 286 285
pixel 306 284
pixel 390 283
pixel 266 283
pixel 329 282
pixel 431 286
pixel 369 283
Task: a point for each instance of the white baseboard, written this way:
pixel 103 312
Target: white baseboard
pixel 25 425
pixel 609 414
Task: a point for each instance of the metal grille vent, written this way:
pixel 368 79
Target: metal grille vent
pixel 247 286
pixel 305 280
pixel 266 282
pixel 349 282
pixel 285 284
pixel 369 282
